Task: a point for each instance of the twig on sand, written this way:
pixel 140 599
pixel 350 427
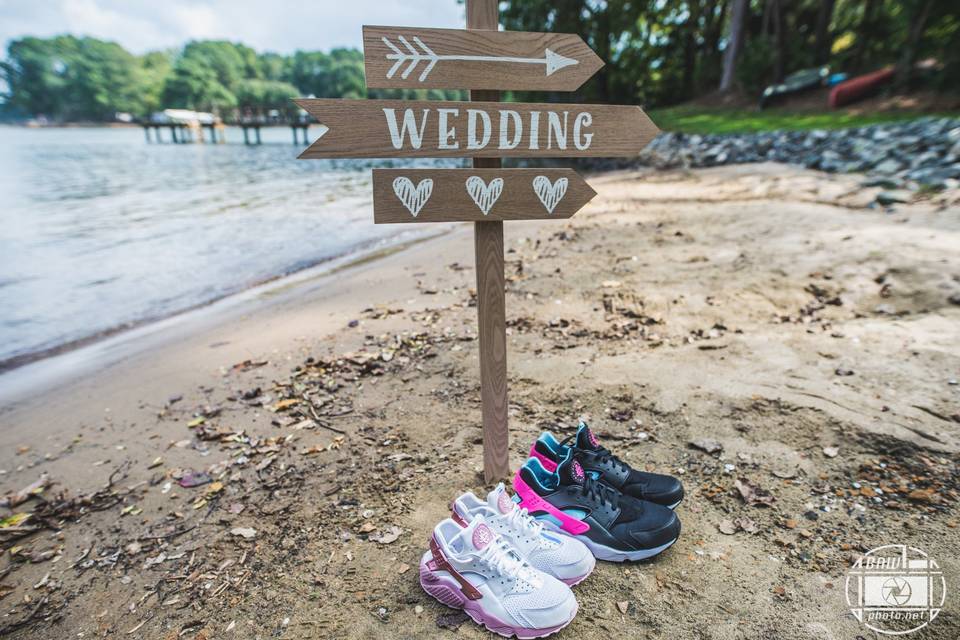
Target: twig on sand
pixel 13 626
pixel 316 416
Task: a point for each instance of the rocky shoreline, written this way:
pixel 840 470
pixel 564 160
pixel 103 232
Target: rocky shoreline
pixel 915 155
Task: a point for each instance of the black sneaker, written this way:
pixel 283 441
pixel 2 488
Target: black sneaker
pixel 614 526
pixel 600 463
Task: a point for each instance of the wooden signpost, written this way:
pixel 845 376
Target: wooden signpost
pixel 404 58
pixel 441 129
pixel 483 60
pixel 476 195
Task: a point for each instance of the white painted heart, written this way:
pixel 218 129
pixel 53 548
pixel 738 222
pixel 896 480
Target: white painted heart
pixel 484 195
pixel 550 194
pixel 413 198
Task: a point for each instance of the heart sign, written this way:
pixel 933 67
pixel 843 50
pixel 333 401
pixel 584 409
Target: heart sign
pixel 483 194
pixel 550 194
pixel 413 198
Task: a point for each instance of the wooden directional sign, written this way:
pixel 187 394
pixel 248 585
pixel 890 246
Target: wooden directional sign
pixel 404 58
pixel 485 61
pixel 437 129
pixel 473 195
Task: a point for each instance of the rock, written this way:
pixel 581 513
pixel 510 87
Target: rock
pixel 452 621
pixel 247 533
pixel 708 445
pixel 887 198
pixel 831 452
pixel 623 605
pixel 928 149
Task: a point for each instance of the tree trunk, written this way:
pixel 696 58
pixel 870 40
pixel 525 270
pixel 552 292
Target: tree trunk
pixel 712 31
pixel 690 49
pixel 779 42
pixel 824 39
pixel 918 24
pixel 870 8
pixel 738 21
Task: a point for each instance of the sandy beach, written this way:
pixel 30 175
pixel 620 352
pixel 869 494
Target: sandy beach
pixel 271 466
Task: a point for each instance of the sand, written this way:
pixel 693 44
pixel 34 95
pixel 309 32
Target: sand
pixel 762 307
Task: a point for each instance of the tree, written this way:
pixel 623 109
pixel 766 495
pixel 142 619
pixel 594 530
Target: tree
pixel 824 38
pixel 738 21
pixel 193 85
pixel 919 12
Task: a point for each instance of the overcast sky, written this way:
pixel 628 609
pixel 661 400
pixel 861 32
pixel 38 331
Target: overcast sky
pixel 266 25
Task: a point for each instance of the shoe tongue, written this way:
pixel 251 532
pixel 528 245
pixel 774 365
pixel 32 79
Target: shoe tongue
pixel 499 500
pixel 477 535
pixel 570 471
pixel 586 439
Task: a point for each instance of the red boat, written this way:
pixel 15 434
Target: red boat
pixel 859 87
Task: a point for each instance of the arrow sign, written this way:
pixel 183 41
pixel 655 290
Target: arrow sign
pixel 471 195
pixel 437 129
pixel 400 57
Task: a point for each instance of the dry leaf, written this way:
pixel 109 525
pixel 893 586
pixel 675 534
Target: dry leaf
pixel 752 494
pixel 388 536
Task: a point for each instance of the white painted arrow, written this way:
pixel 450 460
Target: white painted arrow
pixel 551 61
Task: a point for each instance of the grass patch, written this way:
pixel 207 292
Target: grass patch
pixel 687 119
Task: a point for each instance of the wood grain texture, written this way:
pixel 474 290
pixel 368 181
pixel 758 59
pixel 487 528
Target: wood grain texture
pixel 526 194
pixel 413 58
pixel 491 303
pixel 362 129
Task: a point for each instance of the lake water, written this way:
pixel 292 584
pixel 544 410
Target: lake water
pixel 100 230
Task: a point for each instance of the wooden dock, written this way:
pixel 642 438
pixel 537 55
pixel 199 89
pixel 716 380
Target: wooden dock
pixel 181 133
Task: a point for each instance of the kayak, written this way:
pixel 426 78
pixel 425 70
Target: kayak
pixel 796 82
pixel 859 87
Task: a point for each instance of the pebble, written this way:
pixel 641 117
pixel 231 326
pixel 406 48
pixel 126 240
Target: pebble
pixel 896 156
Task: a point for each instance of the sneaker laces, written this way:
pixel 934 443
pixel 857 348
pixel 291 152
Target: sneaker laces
pixel 499 556
pixel 599 492
pixel 520 518
pixel 604 454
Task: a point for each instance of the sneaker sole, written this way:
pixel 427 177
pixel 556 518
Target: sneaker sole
pixel 447 591
pixel 603 552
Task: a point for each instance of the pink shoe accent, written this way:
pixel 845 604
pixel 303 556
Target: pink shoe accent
pixel 533 503
pixel 440 561
pixel 482 536
pixel 504 503
pixel 456 517
pixel 547 463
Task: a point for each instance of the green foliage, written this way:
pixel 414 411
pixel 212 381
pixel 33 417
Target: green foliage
pixel 688 119
pixel 265 94
pixel 663 52
pixel 658 53
pixel 195 85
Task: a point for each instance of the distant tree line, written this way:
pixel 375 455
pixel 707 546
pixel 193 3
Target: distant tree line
pixel 662 52
pixel 84 79
pixel 658 52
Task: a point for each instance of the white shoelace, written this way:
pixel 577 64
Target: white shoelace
pixel 522 518
pixel 498 555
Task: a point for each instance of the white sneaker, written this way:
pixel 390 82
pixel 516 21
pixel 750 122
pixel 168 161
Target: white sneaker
pixel 476 570
pixel 562 557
